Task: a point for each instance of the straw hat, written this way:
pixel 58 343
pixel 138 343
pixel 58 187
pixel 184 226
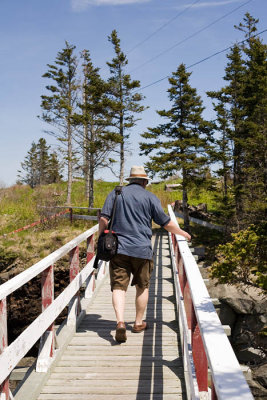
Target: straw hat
pixel 137 172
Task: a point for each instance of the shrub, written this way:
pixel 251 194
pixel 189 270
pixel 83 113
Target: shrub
pixel 243 260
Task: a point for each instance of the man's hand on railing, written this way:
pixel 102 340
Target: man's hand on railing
pixel 174 228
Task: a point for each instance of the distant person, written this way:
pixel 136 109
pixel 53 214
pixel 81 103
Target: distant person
pixel 135 210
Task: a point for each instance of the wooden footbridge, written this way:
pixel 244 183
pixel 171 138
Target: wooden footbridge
pixel 185 353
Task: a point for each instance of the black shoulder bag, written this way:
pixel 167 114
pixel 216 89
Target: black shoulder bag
pixel 107 244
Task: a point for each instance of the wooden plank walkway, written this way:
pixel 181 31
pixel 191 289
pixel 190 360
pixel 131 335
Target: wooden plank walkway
pixel 147 367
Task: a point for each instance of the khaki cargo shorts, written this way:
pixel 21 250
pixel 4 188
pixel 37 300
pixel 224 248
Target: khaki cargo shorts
pixel 121 267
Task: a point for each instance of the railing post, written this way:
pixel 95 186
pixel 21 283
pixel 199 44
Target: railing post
pixel 71 214
pixel 199 355
pixel 4 386
pixel 90 281
pixel 47 343
pixel 187 299
pixel 74 305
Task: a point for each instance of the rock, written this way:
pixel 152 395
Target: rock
pixel 258 391
pixel 175 186
pixel 202 207
pixel 246 327
pixel 249 355
pixel 227 315
pixel 260 375
pixel 241 299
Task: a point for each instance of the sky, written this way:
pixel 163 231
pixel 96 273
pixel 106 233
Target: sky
pixel 156 36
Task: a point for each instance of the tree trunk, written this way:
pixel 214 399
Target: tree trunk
pixel 85 149
pixel 69 164
pixel 238 184
pixel 91 169
pixel 185 204
pixel 122 161
pixel 91 182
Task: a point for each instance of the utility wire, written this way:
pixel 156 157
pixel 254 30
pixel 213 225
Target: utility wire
pixel 204 59
pixel 163 26
pixel 190 36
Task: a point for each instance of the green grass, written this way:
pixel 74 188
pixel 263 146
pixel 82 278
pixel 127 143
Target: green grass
pixel 19 206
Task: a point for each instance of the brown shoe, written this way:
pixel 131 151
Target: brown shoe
pixel 120 335
pixel 140 328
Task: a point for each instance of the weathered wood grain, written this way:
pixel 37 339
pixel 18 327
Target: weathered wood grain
pixel 148 366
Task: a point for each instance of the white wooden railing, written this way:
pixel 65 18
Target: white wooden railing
pixel 204 342
pixel 43 326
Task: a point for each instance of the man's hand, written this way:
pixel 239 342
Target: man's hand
pixel 174 228
pixel 103 224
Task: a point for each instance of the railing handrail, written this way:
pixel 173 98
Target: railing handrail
pixel 44 325
pixel 15 283
pixel 228 379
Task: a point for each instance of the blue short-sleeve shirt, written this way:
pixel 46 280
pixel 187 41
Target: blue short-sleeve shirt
pixel 136 208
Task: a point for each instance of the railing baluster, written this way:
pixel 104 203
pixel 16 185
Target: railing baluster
pixel 187 299
pixel 47 343
pixel 199 354
pixel 74 306
pixel 90 281
pixel 4 387
pixel 48 297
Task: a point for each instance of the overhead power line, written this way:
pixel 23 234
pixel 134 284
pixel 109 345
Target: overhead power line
pixel 203 59
pixel 190 36
pixel 163 26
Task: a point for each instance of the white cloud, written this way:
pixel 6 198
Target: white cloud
pixel 80 5
pixel 214 3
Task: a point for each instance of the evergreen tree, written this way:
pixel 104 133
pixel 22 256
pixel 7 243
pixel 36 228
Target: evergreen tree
pixel 59 107
pixel 43 158
pixel 30 167
pixel 95 118
pixel 54 169
pixel 222 154
pixel 181 143
pixel 124 99
pixel 255 107
pixel 229 101
pixel 40 167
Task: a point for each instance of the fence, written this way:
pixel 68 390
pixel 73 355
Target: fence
pixel 204 342
pixel 43 326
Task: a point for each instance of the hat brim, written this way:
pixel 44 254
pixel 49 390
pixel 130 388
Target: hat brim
pixel 138 177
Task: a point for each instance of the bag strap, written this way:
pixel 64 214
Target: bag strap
pixel 118 190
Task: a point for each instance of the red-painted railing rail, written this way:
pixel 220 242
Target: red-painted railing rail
pixel 204 342
pixel 43 326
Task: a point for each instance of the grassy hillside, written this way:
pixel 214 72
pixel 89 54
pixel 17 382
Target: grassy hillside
pixel 20 205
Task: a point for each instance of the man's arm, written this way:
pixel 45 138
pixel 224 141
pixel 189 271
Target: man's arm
pixel 172 227
pixel 103 224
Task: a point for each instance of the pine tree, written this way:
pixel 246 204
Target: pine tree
pixel 95 119
pixel 221 153
pixel 43 158
pixel 40 167
pixel 54 169
pixel 255 106
pixel 59 107
pixel 181 143
pixel 124 99
pixel 30 167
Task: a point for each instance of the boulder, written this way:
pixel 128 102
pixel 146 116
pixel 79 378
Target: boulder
pixel 260 375
pixel 249 355
pixel 243 300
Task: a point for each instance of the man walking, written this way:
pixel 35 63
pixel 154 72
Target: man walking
pixel 135 210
